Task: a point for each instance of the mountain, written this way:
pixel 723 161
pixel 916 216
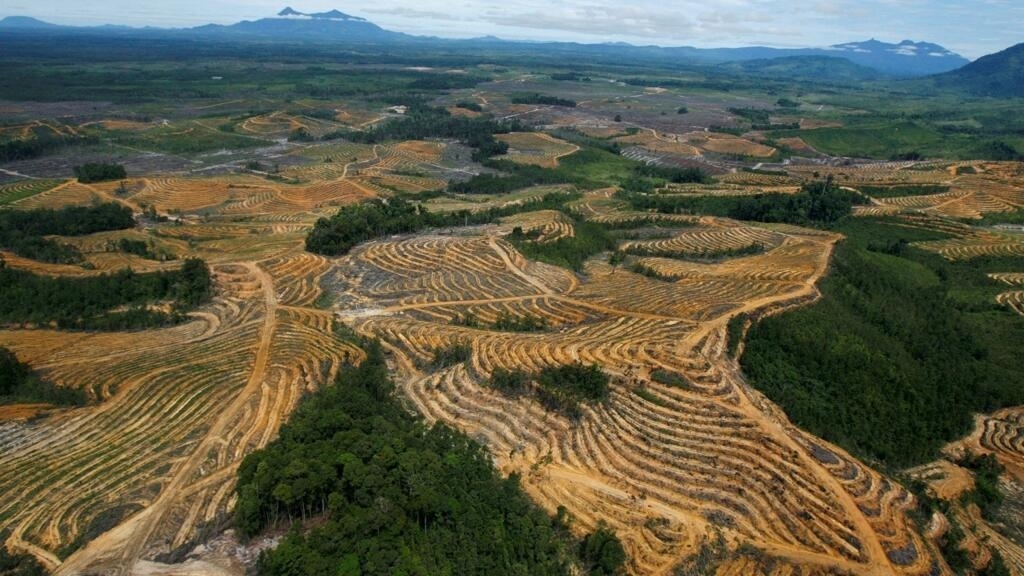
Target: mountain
pixel 295 26
pixel 820 68
pixel 25 23
pixel 906 59
pixel 999 75
pixel 332 15
pixel 299 30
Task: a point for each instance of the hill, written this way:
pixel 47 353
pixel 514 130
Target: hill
pixel 907 58
pixel 1000 75
pixel 25 23
pixel 820 68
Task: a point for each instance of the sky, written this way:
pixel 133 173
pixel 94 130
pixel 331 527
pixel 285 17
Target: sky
pixel 970 28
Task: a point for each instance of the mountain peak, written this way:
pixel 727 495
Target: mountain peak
pixel 331 15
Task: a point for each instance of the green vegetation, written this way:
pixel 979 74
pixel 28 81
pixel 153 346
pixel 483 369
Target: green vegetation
pixel 23 231
pixel 451 355
pixel 882 139
pixel 559 389
pixel 903 347
pixel 42 141
pixel 25 189
pixel 704 255
pixel 99 172
pixel 421 121
pixel 192 138
pixel 12 564
pixel 472 106
pixel 905 190
pixel 19 385
pixel 118 301
pixel 589 239
pixel 142 249
pixel 734 332
pixel 529 323
pixel 602 553
pixel 820 203
pixel 588 168
pixel 391 495
pixel 543 100
pixel 986 493
pixel 358 223
pixel 994 218
pixel 511 382
pixel 644 270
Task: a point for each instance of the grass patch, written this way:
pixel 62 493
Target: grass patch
pixel 11 193
pixel 898 191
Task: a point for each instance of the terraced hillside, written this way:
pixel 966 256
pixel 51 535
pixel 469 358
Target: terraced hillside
pixel 684 455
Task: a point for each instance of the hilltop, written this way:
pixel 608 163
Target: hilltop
pixel 998 75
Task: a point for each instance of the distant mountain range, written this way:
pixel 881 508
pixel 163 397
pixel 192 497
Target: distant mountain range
pixel 905 59
pixel 821 68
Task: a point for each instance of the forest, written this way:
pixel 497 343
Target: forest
pixel 118 301
pixel 99 172
pixel 380 493
pixel 23 231
pixel 817 203
pixel 358 223
pixel 901 350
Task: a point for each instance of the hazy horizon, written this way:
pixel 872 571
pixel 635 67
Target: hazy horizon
pixel 730 23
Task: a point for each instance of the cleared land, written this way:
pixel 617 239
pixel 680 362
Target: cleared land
pixel 685 461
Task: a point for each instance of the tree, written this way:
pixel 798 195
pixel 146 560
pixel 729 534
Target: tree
pixel 602 553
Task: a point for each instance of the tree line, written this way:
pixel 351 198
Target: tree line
pixel 23 231
pixel 357 223
pixel 817 203
pixel 117 301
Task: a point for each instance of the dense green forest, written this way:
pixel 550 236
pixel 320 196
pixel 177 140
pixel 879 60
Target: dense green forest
pixel 817 203
pixel 19 385
pixel 392 496
pixel 99 172
pixel 115 301
pixel 571 252
pixel 903 347
pixel 358 223
pixel 23 231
